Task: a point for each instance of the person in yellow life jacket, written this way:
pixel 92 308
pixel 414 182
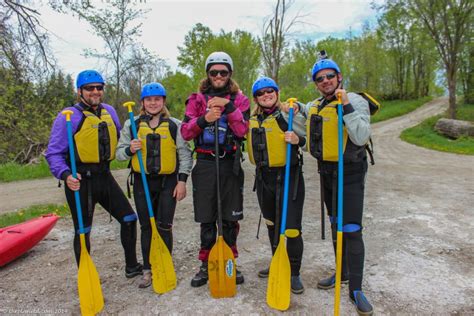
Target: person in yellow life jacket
pixel 267 144
pixel 167 159
pixel 96 128
pixel 322 144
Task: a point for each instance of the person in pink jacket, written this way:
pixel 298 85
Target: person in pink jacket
pixel 219 99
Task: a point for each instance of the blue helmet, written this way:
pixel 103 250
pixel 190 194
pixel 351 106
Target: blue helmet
pixel 88 76
pixel 324 64
pixel 264 82
pixel 153 89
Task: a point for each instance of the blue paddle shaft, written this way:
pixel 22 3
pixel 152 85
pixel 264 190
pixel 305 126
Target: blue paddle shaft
pixel 340 168
pixel 74 174
pixel 142 168
pixel 287 176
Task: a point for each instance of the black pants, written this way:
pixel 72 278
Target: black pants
pixel 353 206
pixel 270 187
pixel 205 202
pixel 163 205
pixel 103 189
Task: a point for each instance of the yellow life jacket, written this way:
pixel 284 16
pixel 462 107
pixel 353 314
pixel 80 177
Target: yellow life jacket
pixel 96 139
pixel 158 147
pixel 321 129
pixel 266 142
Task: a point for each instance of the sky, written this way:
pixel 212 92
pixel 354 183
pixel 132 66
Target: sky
pixel 167 22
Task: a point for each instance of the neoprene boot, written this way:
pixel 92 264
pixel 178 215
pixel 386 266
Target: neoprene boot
pixel 362 304
pixel 264 273
pixel 328 283
pixel 296 284
pixel 201 277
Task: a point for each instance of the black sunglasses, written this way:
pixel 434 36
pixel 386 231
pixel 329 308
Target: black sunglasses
pixel 261 92
pixel 223 73
pixel 91 88
pixel 329 76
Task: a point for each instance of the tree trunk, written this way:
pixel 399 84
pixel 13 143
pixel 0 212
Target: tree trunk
pixel 469 91
pixel 451 75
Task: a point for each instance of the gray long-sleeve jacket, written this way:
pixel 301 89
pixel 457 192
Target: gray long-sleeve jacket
pixel 185 157
pixel 356 118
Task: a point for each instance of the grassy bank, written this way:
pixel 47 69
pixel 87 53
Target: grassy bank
pixel 424 134
pixel 32 212
pixel 13 172
pixel 391 109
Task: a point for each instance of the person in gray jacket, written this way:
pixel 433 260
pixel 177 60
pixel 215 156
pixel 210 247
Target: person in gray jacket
pixel 167 160
pixel 322 143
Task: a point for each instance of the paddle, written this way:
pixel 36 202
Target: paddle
pixel 162 268
pixel 340 210
pixel 88 282
pixel 279 277
pixel 221 262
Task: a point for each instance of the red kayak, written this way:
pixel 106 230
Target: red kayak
pixel 17 239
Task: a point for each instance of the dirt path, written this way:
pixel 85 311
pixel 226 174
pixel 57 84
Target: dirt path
pixel 418 229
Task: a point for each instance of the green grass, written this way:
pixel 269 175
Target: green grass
pixel 13 172
pixel 391 109
pixel 424 134
pixel 32 212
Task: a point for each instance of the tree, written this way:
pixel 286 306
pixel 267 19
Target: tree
pixel 178 87
pixel 116 25
pixel 23 42
pixel 26 112
pixel 240 45
pixel 192 55
pixel 448 22
pixel 274 38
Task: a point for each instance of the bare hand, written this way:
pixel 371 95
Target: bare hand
pixel 213 114
pixel 292 138
pixel 217 101
pixel 135 145
pixel 343 94
pixel 285 107
pixel 180 191
pixel 73 183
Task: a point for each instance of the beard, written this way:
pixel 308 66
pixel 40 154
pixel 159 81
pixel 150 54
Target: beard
pixel 93 101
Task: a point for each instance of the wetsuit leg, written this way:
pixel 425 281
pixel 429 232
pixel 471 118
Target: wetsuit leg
pixel 354 187
pixel 114 201
pixel 86 217
pixel 230 230
pixel 294 219
pixel 166 208
pixel 330 198
pixel 208 239
pixel 144 218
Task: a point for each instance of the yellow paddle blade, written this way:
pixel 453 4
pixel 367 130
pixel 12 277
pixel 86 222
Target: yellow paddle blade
pixel 162 268
pixel 279 278
pixel 337 288
pixel 88 283
pixel 222 270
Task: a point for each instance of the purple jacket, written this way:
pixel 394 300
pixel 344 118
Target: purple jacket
pixel 196 107
pixel 58 146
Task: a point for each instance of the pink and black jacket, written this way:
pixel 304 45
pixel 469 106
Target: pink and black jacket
pixel 234 122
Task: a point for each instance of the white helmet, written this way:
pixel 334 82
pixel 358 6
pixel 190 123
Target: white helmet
pixel 219 58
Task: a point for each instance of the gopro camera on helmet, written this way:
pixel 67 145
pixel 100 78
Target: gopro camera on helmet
pixel 322 55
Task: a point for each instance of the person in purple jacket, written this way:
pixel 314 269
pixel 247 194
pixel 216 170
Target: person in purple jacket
pixel 219 99
pixel 96 129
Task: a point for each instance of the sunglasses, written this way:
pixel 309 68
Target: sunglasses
pixel 328 76
pixel 223 73
pixel 91 88
pixel 261 92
